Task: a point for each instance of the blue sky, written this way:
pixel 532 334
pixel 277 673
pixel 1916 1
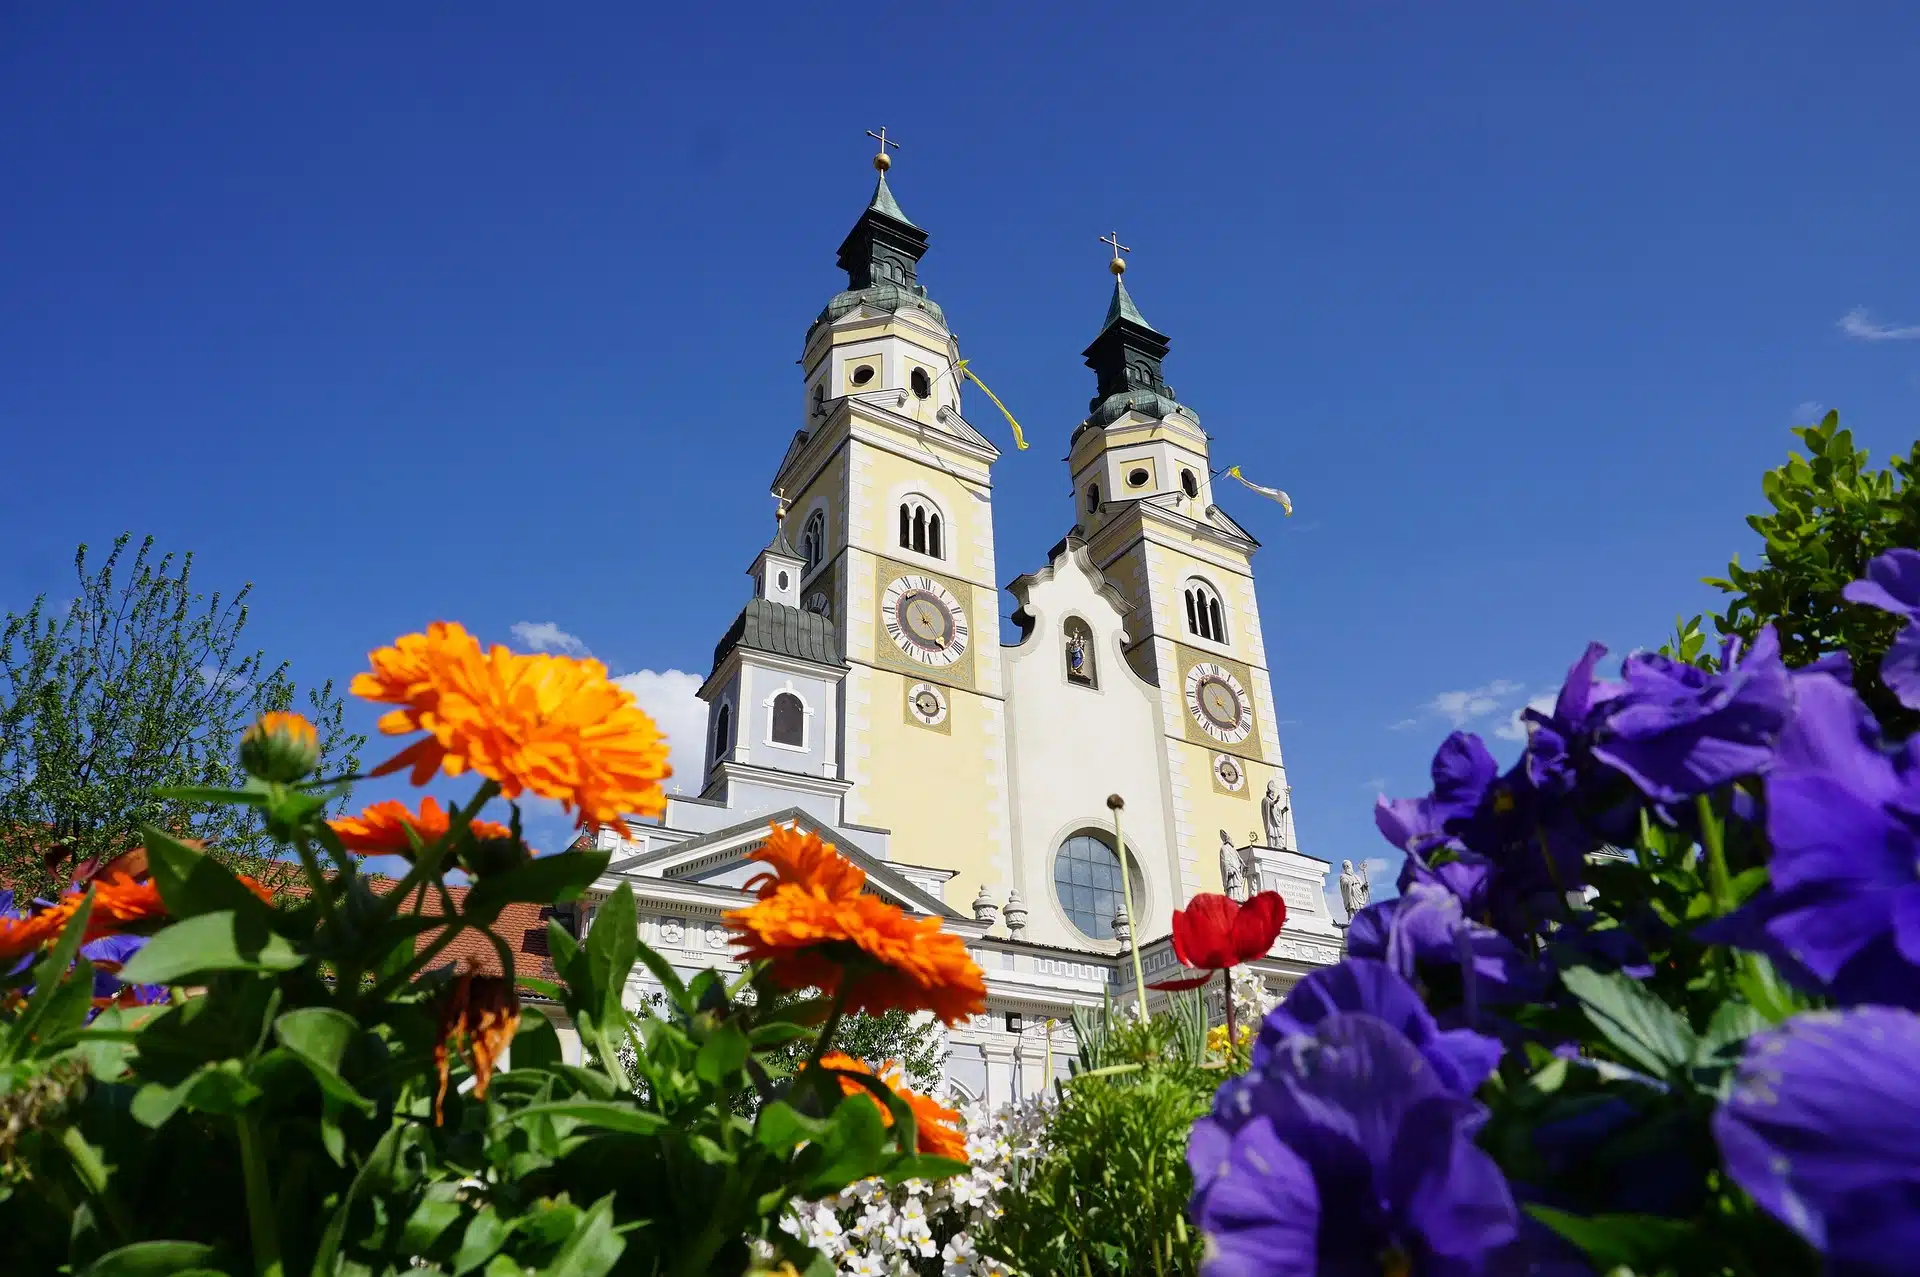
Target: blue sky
pixel 490 312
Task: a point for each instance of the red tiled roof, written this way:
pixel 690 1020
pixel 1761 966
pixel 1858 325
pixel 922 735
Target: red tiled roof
pixel 522 926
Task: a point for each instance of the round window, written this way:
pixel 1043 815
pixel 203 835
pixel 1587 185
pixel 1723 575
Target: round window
pixel 784 582
pixel 1189 484
pixel 1137 477
pixel 863 374
pixel 921 383
pixel 1086 881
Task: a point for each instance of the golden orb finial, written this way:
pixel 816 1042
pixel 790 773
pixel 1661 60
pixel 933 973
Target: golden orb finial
pixel 883 161
pixel 1117 266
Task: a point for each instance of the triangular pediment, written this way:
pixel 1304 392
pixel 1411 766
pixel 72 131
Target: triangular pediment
pixel 721 858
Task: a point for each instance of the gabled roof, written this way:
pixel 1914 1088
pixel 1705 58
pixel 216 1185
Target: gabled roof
pixel 723 849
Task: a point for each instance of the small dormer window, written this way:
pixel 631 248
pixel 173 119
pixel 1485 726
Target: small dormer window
pixel 1138 477
pixel 783 581
pixel 863 374
pixel 722 731
pixel 921 383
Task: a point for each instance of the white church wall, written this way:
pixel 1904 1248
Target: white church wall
pixel 1070 746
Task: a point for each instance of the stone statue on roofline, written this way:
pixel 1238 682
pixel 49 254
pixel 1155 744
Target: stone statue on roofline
pixel 1273 814
pixel 1355 891
pixel 1233 870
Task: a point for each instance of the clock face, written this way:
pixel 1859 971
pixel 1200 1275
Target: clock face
pixel 927 704
pixel 1219 705
pixel 924 620
pixel 1229 772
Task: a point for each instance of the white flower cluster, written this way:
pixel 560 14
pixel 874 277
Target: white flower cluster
pixel 917 1228
pixel 1251 997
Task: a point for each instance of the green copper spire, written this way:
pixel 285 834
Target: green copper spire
pixel 883 202
pixel 1126 355
pixel 1122 307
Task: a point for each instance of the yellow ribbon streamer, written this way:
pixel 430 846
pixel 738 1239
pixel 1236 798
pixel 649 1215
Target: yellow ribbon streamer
pixel 1018 438
pixel 1272 494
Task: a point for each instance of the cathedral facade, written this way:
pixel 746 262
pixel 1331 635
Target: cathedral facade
pixel 1001 781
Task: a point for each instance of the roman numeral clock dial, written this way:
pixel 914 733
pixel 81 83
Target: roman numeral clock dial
pixel 924 620
pixel 1219 704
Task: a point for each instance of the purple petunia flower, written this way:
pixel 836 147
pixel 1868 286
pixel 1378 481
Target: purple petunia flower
pixel 1461 1058
pixel 1462 770
pixel 1893 585
pixel 108 954
pixel 1344 1155
pixel 1823 1129
pixel 1556 741
pixel 1842 909
pixel 1427 926
pixel 1676 730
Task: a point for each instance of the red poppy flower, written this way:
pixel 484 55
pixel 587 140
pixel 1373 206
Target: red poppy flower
pixel 1216 932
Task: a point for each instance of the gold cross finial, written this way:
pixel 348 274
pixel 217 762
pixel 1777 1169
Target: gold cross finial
pixel 883 161
pixel 1117 266
pixel 779 506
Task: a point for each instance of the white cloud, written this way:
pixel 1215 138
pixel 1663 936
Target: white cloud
pixel 1405 724
pixel 1861 326
pixel 1378 784
pixel 1461 708
pixel 546 636
pixel 1515 728
pixel 668 696
pixel 1808 411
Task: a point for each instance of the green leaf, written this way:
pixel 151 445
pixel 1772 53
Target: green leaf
pixel 783 1128
pixel 319 1037
pixel 53 979
pixel 486 1234
pixel 721 1055
pixel 847 1151
pixel 536 1045
pixel 432 1217
pixel 1732 1024
pixel 1639 1025
pixel 1639 1242
pixel 211 1088
pixel 544 880
pixel 594 1248
pixel 609 1115
pixel 611 945
pixel 210 942
pixel 150 1259
pixel 192 882
pixel 779 1033
pixel 1770 996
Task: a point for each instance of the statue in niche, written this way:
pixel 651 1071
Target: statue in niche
pixel 1355 891
pixel 1079 652
pixel 1233 870
pixel 1273 814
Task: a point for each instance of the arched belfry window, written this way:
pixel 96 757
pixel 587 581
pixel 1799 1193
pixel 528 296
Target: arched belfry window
pixel 722 731
pixel 1205 617
pixel 813 541
pixel 789 726
pixel 921 528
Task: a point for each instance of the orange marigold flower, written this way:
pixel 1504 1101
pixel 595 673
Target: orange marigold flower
pixel 556 726
pixel 381 830
pixel 820 931
pixel 21 936
pixel 478 1014
pixel 936 1127
pixel 804 860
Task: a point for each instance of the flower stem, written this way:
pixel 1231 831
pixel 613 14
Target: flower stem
pixel 260 1220
pixel 1226 984
pixel 838 1009
pixel 1713 838
pixel 92 1173
pixel 1126 898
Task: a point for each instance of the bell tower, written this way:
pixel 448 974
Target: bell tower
pixel 1143 482
pixel 890 504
